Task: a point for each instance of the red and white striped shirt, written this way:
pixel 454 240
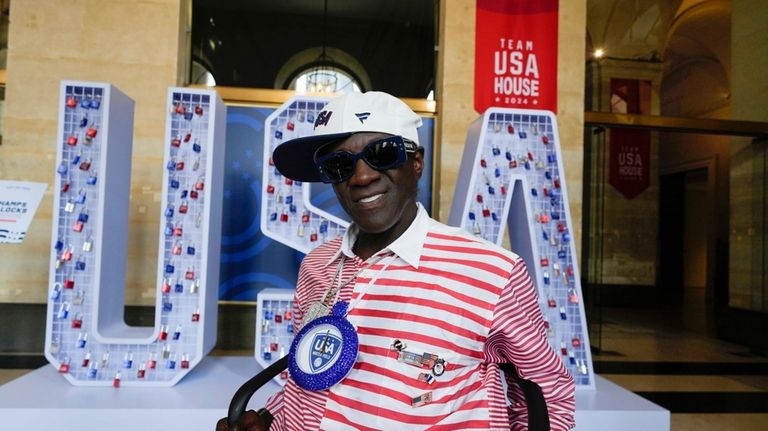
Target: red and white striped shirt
pixel 441 291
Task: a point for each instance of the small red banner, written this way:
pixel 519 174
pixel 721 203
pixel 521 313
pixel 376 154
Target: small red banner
pixel 516 54
pixel 630 150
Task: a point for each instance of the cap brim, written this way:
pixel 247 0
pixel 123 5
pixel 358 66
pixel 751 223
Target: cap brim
pixel 295 159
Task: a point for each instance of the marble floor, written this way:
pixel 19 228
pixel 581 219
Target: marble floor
pixel 707 384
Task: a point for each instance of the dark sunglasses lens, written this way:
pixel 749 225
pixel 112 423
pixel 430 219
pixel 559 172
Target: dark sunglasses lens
pixel 384 154
pixel 338 166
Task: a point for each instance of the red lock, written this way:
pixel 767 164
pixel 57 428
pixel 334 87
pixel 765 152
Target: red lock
pixel 271 162
pixel 278 318
pixel 66 255
pixel 71 102
pixel 184 363
pixel 512 164
pixel 141 373
pixel 561 227
pixel 273 346
pixel 530 156
pixel 200 184
pixel 72 140
pixel 545 139
pixel 290 125
pixel 175 142
pixel 184 207
pixel 77 322
pixel 91 132
pixel 486 212
pixel 284 216
pixel 187 137
pixel 198 110
pixel 288 181
pixel 551 303
pixel 85 165
pixel 78 226
pixel 151 363
pixel 116 381
pixel 190 274
pixel 313 236
pixel 510 128
pixel 179 166
pixel 576 342
pixel 270 189
pixel 479 198
pixel 545 191
pixel 163 333
pixel 179 109
pixel 196 316
pixel 573 298
pixel 284 375
pixel 287 315
pixel 86 360
pixel 556 184
pixel 544 218
pixel 178 231
pixel 65 186
pixel 166 286
pixel 176 249
pixel 544 261
pixel 305 217
pixel 483 163
pixel 69 283
pixel 193 194
pixel 503 189
pixel 569 270
pixel 64 367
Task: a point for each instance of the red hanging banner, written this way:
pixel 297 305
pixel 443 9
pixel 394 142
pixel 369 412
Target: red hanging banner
pixel 516 54
pixel 630 150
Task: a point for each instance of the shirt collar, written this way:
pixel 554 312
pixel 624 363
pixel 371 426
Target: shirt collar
pixel 408 246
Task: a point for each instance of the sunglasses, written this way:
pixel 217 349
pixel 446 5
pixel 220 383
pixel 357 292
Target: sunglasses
pixel 388 153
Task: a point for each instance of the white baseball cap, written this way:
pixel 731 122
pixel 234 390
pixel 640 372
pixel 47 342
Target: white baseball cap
pixel 343 116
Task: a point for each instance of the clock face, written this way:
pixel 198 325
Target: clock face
pixel 319 349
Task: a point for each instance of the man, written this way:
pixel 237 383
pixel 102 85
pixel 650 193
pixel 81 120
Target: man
pixel 435 309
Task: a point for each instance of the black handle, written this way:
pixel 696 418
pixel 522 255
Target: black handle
pixel 245 392
pixel 538 417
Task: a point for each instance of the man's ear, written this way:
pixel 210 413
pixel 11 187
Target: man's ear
pixel 418 162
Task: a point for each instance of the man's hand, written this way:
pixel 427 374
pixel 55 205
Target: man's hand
pixel 250 421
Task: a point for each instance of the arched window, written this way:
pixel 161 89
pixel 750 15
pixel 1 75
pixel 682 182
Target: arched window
pixel 324 80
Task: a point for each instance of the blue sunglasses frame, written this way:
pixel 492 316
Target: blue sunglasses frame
pixel 347 161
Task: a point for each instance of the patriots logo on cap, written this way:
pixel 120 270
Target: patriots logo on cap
pixel 362 116
pixel 325 351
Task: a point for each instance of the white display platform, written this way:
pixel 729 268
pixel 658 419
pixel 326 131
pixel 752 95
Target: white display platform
pixel 42 399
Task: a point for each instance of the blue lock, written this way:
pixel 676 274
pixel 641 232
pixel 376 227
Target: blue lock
pixel 188 115
pixel 91 180
pixel 190 250
pixel 496 151
pixel 167 306
pixel 95 104
pixel 168 229
pixel 171 166
pixel 278 134
pixel 62 169
pixel 76 159
pixel 178 287
pixel 84 122
pixel 80 199
pixel 534 192
pixel 527 165
pixel 196 147
pixel 174 183
pixel 292 208
pixel 508 156
pixel 169 268
pixel 59 245
pixel 85 103
pixel 169 212
pixel 551 158
pixel 561 254
pixel 491 190
pixel 471 215
pixel 184 194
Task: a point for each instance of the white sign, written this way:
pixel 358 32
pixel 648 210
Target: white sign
pixel 18 203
